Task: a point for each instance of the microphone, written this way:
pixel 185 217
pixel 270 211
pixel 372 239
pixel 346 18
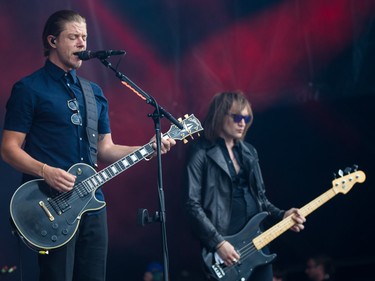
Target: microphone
pixel 86 55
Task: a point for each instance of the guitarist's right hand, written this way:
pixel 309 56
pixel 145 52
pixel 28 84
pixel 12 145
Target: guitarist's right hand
pixel 227 253
pixel 58 179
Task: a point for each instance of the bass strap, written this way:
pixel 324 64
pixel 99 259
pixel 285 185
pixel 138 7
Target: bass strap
pixel 92 119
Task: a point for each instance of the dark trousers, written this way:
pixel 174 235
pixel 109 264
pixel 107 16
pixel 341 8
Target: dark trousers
pixel 84 257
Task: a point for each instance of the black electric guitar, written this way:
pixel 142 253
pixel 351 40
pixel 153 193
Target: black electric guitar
pixel 46 219
pixel 250 240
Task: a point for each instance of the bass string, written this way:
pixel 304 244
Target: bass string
pixel 244 252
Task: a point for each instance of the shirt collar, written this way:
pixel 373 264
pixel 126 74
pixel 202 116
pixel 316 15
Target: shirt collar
pixel 58 73
pixel 221 142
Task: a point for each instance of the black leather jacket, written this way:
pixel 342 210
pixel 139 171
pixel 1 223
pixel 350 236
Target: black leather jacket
pixel 209 190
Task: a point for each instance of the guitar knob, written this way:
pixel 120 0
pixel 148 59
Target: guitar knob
pixel 54 238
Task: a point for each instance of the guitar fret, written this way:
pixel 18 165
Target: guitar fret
pixel 119 167
pixel 133 157
pixel 114 169
pixel 125 163
pixel 94 181
pixel 138 154
pixel 104 174
pixel 100 180
pixel 143 151
pixel 90 184
pixel 129 159
pixel 86 186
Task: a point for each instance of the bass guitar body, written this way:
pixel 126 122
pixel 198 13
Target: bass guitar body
pixel 251 257
pixel 250 241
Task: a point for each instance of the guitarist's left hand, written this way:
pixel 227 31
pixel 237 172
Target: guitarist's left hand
pixel 166 144
pixel 297 217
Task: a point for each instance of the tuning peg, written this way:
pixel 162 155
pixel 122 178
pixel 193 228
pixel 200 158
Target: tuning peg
pixel 341 173
pixel 334 176
pixel 186 116
pixel 348 170
pixel 355 167
pixel 185 141
pixel 179 119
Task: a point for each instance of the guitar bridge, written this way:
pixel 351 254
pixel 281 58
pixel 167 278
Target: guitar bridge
pixel 218 270
pixel 45 209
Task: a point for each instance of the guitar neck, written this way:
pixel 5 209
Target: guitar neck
pixel 190 126
pixel 279 228
pixel 97 180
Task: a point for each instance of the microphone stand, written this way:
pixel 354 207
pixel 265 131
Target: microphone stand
pixel 158 113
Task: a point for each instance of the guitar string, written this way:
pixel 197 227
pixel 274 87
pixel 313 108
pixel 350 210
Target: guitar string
pixel 313 205
pixel 250 248
pixel 74 193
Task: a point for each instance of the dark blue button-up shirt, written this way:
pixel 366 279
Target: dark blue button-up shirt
pixel 38 107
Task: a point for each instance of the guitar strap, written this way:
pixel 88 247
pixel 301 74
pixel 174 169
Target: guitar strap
pixel 92 119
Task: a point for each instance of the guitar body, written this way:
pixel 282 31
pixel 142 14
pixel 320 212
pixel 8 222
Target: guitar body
pixel 46 219
pixel 250 241
pixel 250 256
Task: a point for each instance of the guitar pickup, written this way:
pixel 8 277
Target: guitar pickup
pixel 59 206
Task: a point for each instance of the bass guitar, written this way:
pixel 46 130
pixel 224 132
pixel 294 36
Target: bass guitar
pixel 46 219
pixel 250 240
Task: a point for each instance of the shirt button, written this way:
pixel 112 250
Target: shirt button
pixel 81 158
pixel 80 139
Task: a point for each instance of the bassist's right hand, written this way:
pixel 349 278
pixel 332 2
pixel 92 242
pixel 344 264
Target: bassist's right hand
pixel 58 179
pixel 228 254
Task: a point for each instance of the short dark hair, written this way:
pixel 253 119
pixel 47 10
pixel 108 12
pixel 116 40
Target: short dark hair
pixel 219 107
pixel 55 25
pixel 325 261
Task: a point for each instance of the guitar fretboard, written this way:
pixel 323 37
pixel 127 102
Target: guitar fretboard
pixel 279 228
pixel 95 181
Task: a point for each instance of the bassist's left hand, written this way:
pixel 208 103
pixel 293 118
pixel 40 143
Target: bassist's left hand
pixel 298 219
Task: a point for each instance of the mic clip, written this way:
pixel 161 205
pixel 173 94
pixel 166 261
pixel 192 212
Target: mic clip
pixel 143 217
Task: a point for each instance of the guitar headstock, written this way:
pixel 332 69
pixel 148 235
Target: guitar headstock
pixel 191 125
pixel 347 179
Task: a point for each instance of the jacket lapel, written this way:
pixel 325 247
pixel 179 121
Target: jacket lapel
pixel 217 156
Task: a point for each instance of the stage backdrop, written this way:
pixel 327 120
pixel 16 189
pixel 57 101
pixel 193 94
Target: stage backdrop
pixel 307 67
